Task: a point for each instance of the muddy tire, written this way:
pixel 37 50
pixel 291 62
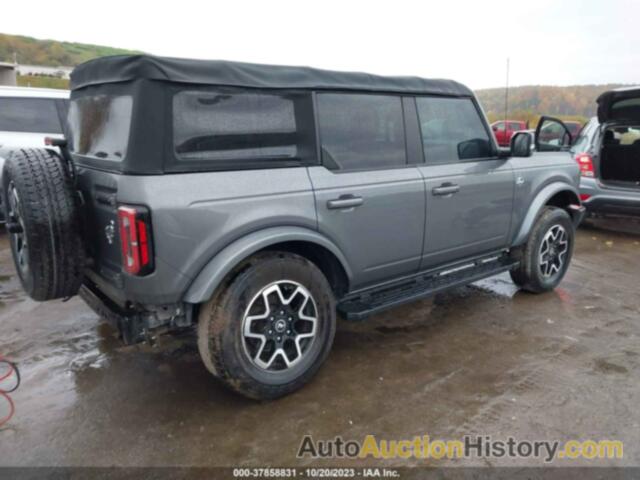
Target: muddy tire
pixel 268 329
pixel 43 223
pixel 547 253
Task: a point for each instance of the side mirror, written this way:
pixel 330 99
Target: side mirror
pixel 522 144
pixel 552 135
pixel 494 128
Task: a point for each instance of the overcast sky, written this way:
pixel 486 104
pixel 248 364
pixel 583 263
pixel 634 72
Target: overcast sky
pixel 549 42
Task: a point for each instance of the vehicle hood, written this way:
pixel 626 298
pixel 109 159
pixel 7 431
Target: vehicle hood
pixel 622 104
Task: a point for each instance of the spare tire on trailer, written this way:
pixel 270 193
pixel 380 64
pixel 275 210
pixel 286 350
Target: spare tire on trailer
pixel 43 220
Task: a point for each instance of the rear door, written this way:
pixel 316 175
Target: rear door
pixel 469 191
pixel 101 130
pixel 370 201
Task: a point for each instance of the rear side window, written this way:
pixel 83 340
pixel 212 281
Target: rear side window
pixel 33 115
pixel 514 126
pixel 100 126
pixel 452 130
pixel 361 131
pixel 217 126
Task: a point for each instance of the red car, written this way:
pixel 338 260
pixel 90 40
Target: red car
pixel 504 130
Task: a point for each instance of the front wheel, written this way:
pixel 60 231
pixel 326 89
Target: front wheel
pixel 547 253
pixel 268 330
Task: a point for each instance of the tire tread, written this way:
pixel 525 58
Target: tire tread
pixel 52 222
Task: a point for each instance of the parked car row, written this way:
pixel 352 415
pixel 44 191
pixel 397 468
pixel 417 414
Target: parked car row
pixel 607 150
pixel 505 129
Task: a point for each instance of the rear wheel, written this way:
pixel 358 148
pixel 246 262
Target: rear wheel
pixel 267 332
pixel 547 253
pixel 44 224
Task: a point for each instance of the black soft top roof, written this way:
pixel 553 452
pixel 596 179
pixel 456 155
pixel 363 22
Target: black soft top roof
pixel 124 68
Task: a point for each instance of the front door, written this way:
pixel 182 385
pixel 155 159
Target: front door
pixel 369 201
pixel 469 191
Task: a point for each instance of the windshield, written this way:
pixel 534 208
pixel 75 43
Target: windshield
pixel 100 126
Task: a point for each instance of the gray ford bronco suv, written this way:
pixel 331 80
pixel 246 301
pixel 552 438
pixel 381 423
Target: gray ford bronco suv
pixel 254 202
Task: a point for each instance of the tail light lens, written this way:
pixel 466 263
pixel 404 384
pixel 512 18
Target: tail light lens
pixel 135 238
pixel 584 197
pixel 585 162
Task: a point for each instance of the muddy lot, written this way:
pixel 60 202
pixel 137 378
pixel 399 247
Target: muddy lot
pixel 484 359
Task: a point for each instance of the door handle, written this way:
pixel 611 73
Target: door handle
pixel 344 201
pixel 446 189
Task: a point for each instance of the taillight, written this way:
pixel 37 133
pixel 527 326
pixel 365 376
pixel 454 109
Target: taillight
pixel 584 197
pixel 585 162
pixel 135 239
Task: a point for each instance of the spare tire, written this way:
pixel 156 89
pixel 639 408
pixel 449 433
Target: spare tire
pixel 43 220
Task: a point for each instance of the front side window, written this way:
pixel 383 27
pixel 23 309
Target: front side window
pixel 32 115
pixel 100 125
pixel 219 125
pixel 360 131
pixel 452 130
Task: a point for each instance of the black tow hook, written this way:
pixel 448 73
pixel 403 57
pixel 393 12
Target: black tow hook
pixel 14 227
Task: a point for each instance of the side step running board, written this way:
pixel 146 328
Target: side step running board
pixel 366 303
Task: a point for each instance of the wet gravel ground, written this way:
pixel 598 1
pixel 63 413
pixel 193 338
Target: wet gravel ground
pixel 484 359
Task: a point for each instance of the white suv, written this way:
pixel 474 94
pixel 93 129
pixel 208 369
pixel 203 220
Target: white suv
pixel 28 115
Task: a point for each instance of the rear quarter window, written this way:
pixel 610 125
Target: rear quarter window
pixel 99 126
pixel 220 127
pixel 31 115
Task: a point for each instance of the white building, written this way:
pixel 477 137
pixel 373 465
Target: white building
pixel 60 72
pixel 7 74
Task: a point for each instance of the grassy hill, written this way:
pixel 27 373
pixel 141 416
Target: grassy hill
pixel 527 103
pixel 31 51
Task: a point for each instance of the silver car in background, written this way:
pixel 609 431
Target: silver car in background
pixel 608 153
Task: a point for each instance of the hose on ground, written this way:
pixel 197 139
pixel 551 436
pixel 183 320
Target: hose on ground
pixel 11 371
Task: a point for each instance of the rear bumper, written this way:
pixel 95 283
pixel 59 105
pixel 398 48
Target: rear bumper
pixel 136 323
pixel 130 325
pixel 609 201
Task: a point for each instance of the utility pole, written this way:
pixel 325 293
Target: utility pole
pixel 506 96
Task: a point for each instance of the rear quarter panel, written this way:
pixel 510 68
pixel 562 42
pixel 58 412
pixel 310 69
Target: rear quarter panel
pixel 195 215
